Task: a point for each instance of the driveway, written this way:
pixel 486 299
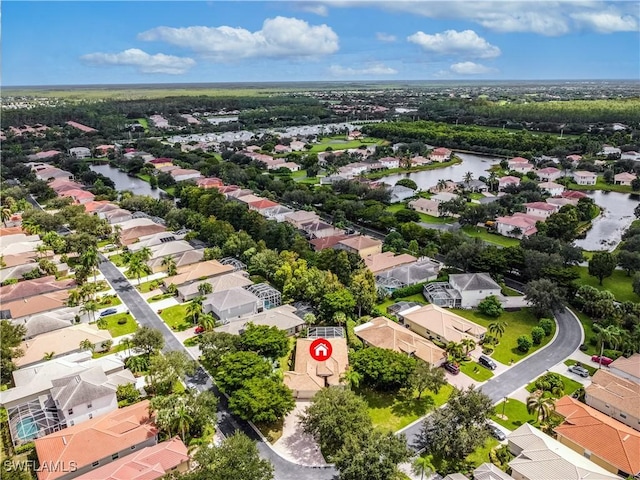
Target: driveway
pixel 295 445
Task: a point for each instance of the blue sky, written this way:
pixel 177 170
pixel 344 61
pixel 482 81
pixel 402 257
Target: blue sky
pixel 86 42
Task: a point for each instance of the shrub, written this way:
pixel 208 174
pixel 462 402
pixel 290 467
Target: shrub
pixel 487 350
pixel 583 348
pixel 352 340
pixel 491 307
pixel 122 321
pixel 613 354
pixel 408 291
pixel 546 324
pixel 593 341
pixel 549 381
pixel 25 448
pixel 537 334
pixel 524 343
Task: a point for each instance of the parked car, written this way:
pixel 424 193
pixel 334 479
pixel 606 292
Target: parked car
pixel 496 432
pixel 452 368
pixel 606 361
pixel 108 311
pixel 199 329
pixel 579 370
pixel 487 362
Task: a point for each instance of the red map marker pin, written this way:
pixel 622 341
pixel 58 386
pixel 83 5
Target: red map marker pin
pixel 320 349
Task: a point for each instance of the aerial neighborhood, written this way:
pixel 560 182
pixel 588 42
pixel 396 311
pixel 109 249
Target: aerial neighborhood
pixel 201 288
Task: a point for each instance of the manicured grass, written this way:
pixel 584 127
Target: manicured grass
pixel 481 454
pixel 117 348
pixel 117 330
pixel 519 322
pixel 510 292
pixel 109 301
pixel 146 287
pixel 272 431
pixel 430 166
pixel 618 284
pixel 284 361
pixel 489 237
pixel 144 122
pixel 157 298
pixel 601 185
pixel 516 413
pixel 418 297
pixel 587 326
pixel 299 174
pixel 117 260
pixel 176 317
pixel 340 143
pixel 144 177
pixel 569 385
pixel 591 370
pixel 476 371
pixel 389 412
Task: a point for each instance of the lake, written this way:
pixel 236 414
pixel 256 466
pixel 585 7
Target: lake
pixel 125 182
pixel 607 229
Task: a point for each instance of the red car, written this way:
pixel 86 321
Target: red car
pixel 452 368
pixel 199 329
pixel 606 361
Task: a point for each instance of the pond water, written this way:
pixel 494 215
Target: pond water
pixel 125 182
pixel 606 233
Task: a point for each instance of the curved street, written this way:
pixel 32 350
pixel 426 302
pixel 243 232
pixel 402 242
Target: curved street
pixel 568 338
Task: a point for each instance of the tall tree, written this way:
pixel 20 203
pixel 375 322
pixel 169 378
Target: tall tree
pixel 11 335
pixel 427 377
pixel 602 265
pixel 610 335
pixel 266 341
pixel 364 291
pixel 383 369
pixel 544 296
pixel 170 264
pixel 262 400
pixel 497 328
pixel 540 405
pixel 148 340
pixel 238 368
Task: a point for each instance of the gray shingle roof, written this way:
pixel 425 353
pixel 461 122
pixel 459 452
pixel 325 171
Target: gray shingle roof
pixel 473 281
pixel 81 388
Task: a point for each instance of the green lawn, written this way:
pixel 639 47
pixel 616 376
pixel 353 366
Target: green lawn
pixel 175 317
pixel 117 348
pixel 476 371
pixel 430 166
pixel 519 322
pixel 389 412
pixel 144 122
pixel 109 301
pixel 157 298
pixel 284 361
pixel 510 292
pixel 146 287
pixel 591 370
pixel 191 341
pixel 117 330
pixel 516 413
pixel 490 237
pixel 569 387
pixel 340 143
pixel 587 326
pixel 418 297
pixel 481 454
pixel 618 284
pixel 144 177
pixel 300 174
pixel 601 185
pixel 117 260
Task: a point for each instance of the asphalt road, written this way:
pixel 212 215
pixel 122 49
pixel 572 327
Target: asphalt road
pixel 227 422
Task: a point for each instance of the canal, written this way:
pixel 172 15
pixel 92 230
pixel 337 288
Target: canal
pixel 125 182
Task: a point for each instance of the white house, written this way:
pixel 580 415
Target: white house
pixel 518 225
pixel 230 304
pixel 609 150
pixel 554 189
pixel 427 206
pixel 389 162
pixel 504 182
pixel 624 178
pixel 549 174
pixel 400 193
pixel 353 169
pixel 473 287
pixel 297 146
pixel 182 174
pixel 635 156
pixel 521 167
pixel 444 197
pixel 80 152
pixel 541 209
pixel 582 177
pixel 440 155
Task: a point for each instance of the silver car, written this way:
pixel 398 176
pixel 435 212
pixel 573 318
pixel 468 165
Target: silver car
pixel 579 370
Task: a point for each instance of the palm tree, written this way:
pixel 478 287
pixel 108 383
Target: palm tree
pixel 455 351
pixel 127 343
pixel 170 263
pixel 492 178
pixel 137 364
pixel 610 335
pixel 138 267
pixel 422 466
pixel 540 405
pixel 74 298
pixel 30 227
pixel 90 260
pixel 498 328
pixel 87 345
pixel 90 307
pixel 182 419
pixel 115 235
pixel 205 288
pixel 468 177
pixel 48 355
pixel 352 377
pixel 5 215
pixel 441 185
pixel 468 344
pixel 194 310
pixel 207 321
pixel 41 250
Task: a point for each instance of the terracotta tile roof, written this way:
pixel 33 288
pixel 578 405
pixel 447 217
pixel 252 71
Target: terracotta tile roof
pixel 445 323
pixel 620 393
pixel 81 127
pixel 326 242
pixel 548 170
pixel 191 273
pixel 384 333
pixel 573 194
pixel 541 206
pixel 41 303
pixel 310 374
pixel 386 260
pixel 92 205
pixel 605 437
pixel 20 259
pixel 360 242
pixel 30 288
pixel 96 439
pixel 518 160
pixel 262 204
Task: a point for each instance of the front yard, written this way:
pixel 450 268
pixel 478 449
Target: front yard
pixel 476 371
pixel 109 301
pixel 389 412
pixel 519 322
pixel 176 317
pixel 515 412
pixel 569 385
pixel 116 329
pixel 146 287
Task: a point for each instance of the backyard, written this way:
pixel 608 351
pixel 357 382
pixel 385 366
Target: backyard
pixel 116 329
pixel 519 322
pixel 176 317
pixel 618 284
pixel 423 216
pixel 339 143
pixel 382 307
pixel 489 237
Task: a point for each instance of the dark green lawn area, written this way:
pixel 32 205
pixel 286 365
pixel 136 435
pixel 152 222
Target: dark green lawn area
pixel 340 143
pixel 175 317
pixel 109 301
pixel 519 322
pixel 476 371
pixel 117 330
pixel 569 387
pixel 389 412
pixel 618 284
pixel 420 168
pixel 481 454
pixel 489 237
pixel 516 413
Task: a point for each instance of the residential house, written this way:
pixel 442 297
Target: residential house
pixel 389 162
pixel 561 201
pixel 473 287
pixel 112 436
pixel 440 154
pixel 81 127
pixel 549 174
pixel 353 169
pixel 573 195
pixel 320 229
pixel 444 197
pixel 380 262
pixel 44 155
pixel 523 168
pixel 292 166
pixel 310 376
pixel 426 206
pixel 159 163
pixel 33 288
pixel 400 193
pixel 282 148
pixel 230 304
pixel 234 192
pixel 23 258
pixel 362 245
pixel 199 271
pixel 553 189
pixel 116 215
pixel 150 463
pixel 249 198
pixel 48 321
pixel 80 197
pixel 25 307
pixel 624 178
pixel 61 184
pixel 52 173
pixel 220 283
pixel 182 259
pixel 276 213
pixel 297 146
pixel 615 396
pixel 147 157
pixel 516 161
pixel 17 273
pixel 488 471
pixel 540 457
pixel 139 221
pixel 635 156
pixel 103 150
pixel 282 317
pixel 319 244
pixel 518 225
pixel 609 150
pixel 133 234
pixel 628 368
pixel 504 182
pixel 80 152
pixel 574 159
pixel 210 182
pixel 439 324
pixel 423 270
pixel 160 252
pixel 182 174
pixel 155 239
pixel 419 160
pixel 384 333
pixel 76 381
pixel 60 342
pixel 91 207
pixel 598 437
pixel 542 210
pixel 262 204
pixel 582 177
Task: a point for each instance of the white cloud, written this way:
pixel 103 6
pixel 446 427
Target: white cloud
pixel 606 21
pixel 450 42
pixel 315 8
pixel 279 37
pixel 385 37
pixel 144 62
pixel 372 69
pixel 470 68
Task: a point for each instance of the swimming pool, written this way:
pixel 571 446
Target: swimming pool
pixel 27 428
